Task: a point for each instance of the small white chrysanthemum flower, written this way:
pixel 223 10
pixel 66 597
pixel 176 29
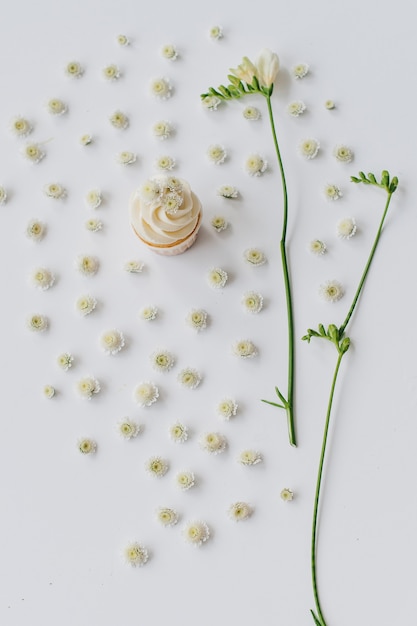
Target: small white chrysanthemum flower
pixel 119 120
pixel 296 108
pixel 216 33
pixel 86 139
pixel 309 148
pixel 162 129
pixel 227 191
pixel 170 52
pixel 65 361
pixel 316 246
pixel 165 162
pixel 42 278
pixel 3 195
pixel 171 202
pixel 251 113
pixel 254 256
pixel 55 106
pixel 33 152
pixel 87 265
pixel 148 313
pixel 332 192
pixel 112 341
pixel 178 432
pixel 162 360
pixel 252 302
pixel 216 154
pixel 255 165
pixel 161 88
pixel 150 190
pixel 197 319
pixel 86 446
pixel 217 278
pixel 210 102
pixel 93 225
pixel 126 158
pixel 346 228
pixel 87 387
pixel 122 40
pixel 35 230
pixel 111 72
pixel 85 305
pixel 300 70
pixel 215 443
pixel 167 517
pixel 286 495
pixel 219 223
pixel 185 480
pixel 93 198
pixel 227 408
pixel 329 104
pixel 135 554
pixel 331 291
pixel 20 126
pixel 38 323
pixel 133 266
pixel 244 348
pixel 196 533
pixel 189 377
pixel 156 466
pixel 128 429
pixel 73 69
pixel 240 511
pixel 173 183
pixel 146 394
pixel 55 190
pixel 250 457
pixel 48 391
pixel 343 153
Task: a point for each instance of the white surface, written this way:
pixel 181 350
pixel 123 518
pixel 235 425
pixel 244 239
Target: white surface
pixel 65 518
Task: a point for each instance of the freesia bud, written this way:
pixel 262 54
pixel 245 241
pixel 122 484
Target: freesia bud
pixel 267 67
pixel 245 71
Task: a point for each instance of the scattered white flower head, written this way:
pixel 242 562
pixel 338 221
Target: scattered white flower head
pixel 85 304
pixel 86 446
pixel 211 103
pixel 93 198
pixel 216 33
pixel 250 457
pixel 165 162
pixel 178 432
pixel 170 52
pixel 255 165
pixel 33 152
pixel 135 554
pixel 244 348
pixel 296 108
pixel 251 113
pixel 65 361
pixel 38 323
pixel 148 313
pixel 87 265
pixel 217 154
pixel 73 69
pixel 156 466
pixel 329 104
pixel 128 429
pixel 286 495
pixel 42 278
pixel 316 246
pixel 217 278
pixel 300 70
pixel 197 319
pixel 112 341
pixel 119 120
pixel 196 533
pixel 215 443
pixel 227 191
pixel 3 195
pixel 254 256
pixel 162 129
pixel 126 158
pixel 87 387
pixel 134 267
pixel 86 139
pixel 185 480
pixel 240 511
pixel 48 391
pixel 252 302
pixel 309 148
pixel 122 40
pixel 332 192
pixel 331 291
pixel 55 190
pixel 189 378
pixel 161 88
pixel 167 517
pixel 93 225
pixel 162 360
pixel 20 126
pixel 227 408
pixel 343 153
pixel 111 72
pixel 35 230
pixel 219 223
pixel 55 106
pixel 146 394
pixel 346 228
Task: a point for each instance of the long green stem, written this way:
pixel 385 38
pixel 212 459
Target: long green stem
pixel 289 405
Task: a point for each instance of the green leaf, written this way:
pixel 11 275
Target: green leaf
pixel 273 404
pixel 281 397
pixel 316 619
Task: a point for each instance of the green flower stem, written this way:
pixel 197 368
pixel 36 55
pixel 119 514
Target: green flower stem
pixel 289 404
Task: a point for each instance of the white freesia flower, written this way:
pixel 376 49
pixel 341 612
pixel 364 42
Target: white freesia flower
pixel 245 71
pixel 267 66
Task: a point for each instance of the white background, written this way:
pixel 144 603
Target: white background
pixel 66 518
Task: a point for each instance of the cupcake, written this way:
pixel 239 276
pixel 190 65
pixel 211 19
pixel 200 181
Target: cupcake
pixel 165 214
